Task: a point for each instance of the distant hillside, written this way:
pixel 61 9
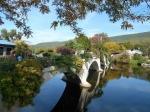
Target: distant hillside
pixel 134 38
pixel 49 45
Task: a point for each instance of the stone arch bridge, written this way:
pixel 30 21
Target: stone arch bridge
pixel 92 64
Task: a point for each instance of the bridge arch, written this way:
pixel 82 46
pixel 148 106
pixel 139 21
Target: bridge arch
pixel 92 64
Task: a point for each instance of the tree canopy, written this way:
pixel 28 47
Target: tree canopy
pixel 81 42
pixel 11 35
pixel 22 48
pixel 69 11
pixel 113 47
pixel 98 41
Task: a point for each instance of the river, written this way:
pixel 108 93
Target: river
pixel 123 90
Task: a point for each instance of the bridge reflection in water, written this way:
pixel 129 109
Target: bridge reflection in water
pixel 75 98
pixel 57 95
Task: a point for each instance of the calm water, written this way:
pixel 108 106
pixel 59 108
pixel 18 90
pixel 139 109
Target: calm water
pixel 124 90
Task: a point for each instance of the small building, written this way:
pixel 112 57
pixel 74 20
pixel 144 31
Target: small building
pixel 131 53
pixel 6 47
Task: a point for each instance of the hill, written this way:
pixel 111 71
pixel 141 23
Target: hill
pixel 133 38
pixel 46 45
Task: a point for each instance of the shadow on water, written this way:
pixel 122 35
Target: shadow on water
pixel 69 99
pixel 75 98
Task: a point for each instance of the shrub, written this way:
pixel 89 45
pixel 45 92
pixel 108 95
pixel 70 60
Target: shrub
pixel 22 49
pixel 65 51
pixel 7 64
pixel 69 63
pixel 125 58
pixel 46 54
pixel 44 61
pixel 86 55
pixel 21 84
pixel 77 62
pixel 50 50
pixel 64 61
pixel 139 58
pixel 122 59
pixel 29 67
pixel 49 53
pixel 39 51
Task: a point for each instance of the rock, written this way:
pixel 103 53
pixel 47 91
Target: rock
pixel 73 70
pixel 48 69
pixel 145 65
pixel 83 60
pixel 85 84
pixel 52 68
pixel 47 76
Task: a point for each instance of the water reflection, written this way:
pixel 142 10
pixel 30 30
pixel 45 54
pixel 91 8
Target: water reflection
pixel 124 90
pixel 127 71
pixel 75 98
pixel 50 93
pixel 111 91
pixel 16 91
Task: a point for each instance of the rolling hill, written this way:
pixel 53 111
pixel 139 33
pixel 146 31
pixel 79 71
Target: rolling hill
pixel 133 38
pixel 46 45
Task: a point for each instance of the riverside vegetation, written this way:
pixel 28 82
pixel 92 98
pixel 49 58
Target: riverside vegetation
pixel 24 78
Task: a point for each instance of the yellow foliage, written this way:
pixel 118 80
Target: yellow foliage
pixel 29 67
pixel 113 47
pixel 78 62
pixel 22 48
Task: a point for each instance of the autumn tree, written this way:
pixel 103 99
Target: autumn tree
pixel 113 47
pixel 70 11
pixel 97 42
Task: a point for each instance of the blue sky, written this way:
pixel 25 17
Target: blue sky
pixel 94 23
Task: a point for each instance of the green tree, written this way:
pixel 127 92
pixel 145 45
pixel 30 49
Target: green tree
pixel 4 34
pixel 70 11
pixel 81 42
pixel 11 35
pixel 22 48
